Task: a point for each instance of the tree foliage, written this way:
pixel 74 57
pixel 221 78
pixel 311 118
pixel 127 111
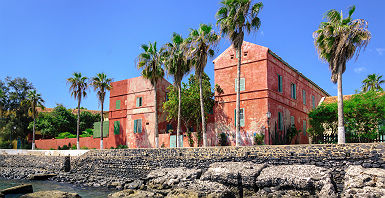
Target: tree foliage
pixel 364 116
pixel 372 83
pixel 190 105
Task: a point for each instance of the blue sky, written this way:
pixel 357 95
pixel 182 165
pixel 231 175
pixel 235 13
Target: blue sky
pixel 46 41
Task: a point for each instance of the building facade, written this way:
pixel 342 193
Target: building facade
pixel 268 84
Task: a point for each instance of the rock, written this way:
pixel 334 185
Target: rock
pixel 311 178
pixel 364 182
pixel 2 195
pixel 40 176
pixel 21 189
pixel 51 194
pixel 134 185
pixel 204 188
pixel 167 177
pixel 134 193
pixel 233 173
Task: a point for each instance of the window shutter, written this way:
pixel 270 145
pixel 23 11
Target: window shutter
pixel 292 120
pixel 236 85
pixel 118 104
pixel 304 97
pixel 140 125
pixel 304 127
pixel 116 127
pixel 137 102
pixel 135 126
pixel 313 101
pixel 235 117
pixel 279 83
pixel 242 117
pixel 279 120
pixel 295 91
pixel 242 84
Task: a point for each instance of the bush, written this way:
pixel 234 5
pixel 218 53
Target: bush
pixel 65 135
pixel 87 133
pixel 84 147
pixel 259 139
pixel 223 139
pixel 73 147
pixel 5 145
pixel 122 147
pixel 64 147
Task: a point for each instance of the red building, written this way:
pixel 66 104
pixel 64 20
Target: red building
pixel 132 112
pixel 268 84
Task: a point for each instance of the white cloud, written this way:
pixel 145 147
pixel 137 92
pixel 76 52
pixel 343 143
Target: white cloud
pixel 359 70
pixel 380 51
pixel 262 34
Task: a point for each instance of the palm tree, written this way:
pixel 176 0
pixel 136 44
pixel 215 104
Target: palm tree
pixel 372 83
pixel 203 41
pixel 34 100
pixel 234 18
pixel 336 41
pixel 150 61
pixel 101 85
pixel 177 65
pixel 78 86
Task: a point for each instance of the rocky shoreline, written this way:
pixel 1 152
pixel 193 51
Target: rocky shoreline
pixel 231 179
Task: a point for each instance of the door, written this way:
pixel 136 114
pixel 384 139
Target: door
pixel 173 141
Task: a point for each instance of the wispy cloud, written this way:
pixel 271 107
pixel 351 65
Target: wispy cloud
pixel 262 34
pixel 359 70
pixel 380 51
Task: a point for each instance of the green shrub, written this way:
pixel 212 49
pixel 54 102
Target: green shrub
pixel 5 145
pixel 84 147
pixel 121 147
pixel 87 133
pixel 65 135
pixel 259 139
pixel 73 147
pixel 64 147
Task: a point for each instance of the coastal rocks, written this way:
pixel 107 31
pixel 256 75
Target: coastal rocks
pixel 51 194
pixel 315 180
pixel 206 188
pixel 20 189
pixel 40 176
pixel 233 173
pixel 364 182
pixel 134 193
pixel 168 177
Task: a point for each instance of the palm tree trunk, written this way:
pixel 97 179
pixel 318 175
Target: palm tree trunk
pixel 179 115
pixel 238 102
pixel 341 128
pixel 202 112
pixel 78 126
pixel 33 133
pixel 101 126
pixel 156 116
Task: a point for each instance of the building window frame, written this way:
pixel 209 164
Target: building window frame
pixel 313 101
pixel 117 104
pixel 280 88
pixel 293 90
pixel 304 96
pixel 280 121
pixel 139 101
pixel 304 127
pixel 242 84
pixel 138 126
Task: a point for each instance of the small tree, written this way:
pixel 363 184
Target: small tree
pixel 373 83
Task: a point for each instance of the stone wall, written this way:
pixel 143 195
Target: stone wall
pixel 107 166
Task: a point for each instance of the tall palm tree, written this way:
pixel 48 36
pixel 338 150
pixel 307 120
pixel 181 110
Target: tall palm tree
pixel 236 17
pixel 78 88
pixel 101 85
pixel 177 65
pixel 203 41
pixel 34 100
pixel 336 41
pixel 372 83
pixel 150 62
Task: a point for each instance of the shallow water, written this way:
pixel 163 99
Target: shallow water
pixel 84 192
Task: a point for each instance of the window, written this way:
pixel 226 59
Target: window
pixel 242 86
pixel 304 127
pixel 313 101
pixel 138 126
pixel 280 121
pixel 116 127
pixel 304 96
pixel 292 121
pixel 167 99
pixel 280 83
pixel 139 101
pixel 118 104
pixel 241 116
pixel 293 91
